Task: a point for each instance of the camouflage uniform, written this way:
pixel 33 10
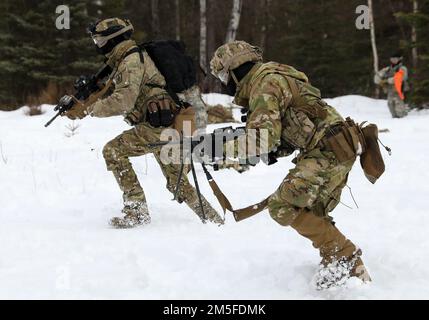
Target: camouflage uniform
pixel 318 179
pixel 397 106
pixel 136 84
pixel 313 188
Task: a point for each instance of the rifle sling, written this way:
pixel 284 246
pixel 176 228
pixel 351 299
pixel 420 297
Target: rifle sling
pixel 135 50
pixel 241 214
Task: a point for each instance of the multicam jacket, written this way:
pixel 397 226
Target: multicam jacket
pixel 293 121
pixel 134 84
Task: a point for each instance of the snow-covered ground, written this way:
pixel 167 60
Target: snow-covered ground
pixel 56 198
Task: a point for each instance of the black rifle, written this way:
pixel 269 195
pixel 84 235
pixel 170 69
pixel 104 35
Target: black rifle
pixel 207 142
pixel 88 91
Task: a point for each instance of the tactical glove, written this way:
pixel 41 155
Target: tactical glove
pixel 79 111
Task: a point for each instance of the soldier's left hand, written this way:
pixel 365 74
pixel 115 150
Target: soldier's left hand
pixel 78 112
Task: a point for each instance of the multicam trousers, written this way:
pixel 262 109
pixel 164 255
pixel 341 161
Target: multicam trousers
pixel 315 185
pixel 397 107
pixel 134 143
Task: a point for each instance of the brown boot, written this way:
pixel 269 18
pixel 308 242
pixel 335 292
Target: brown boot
pixel 340 257
pixel 136 214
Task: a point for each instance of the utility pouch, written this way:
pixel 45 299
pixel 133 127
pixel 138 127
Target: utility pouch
pixel 339 145
pixel 371 159
pixel 161 112
pixel 346 140
pixel 185 121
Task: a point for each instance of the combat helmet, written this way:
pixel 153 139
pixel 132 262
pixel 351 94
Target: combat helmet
pixel 231 56
pixel 109 32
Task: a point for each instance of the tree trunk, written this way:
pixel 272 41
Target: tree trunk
pixel 155 18
pixel 415 52
pixel 213 42
pixel 178 21
pixel 234 22
pixel 265 7
pixel 374 44
pixel 373 38
pixel 203 36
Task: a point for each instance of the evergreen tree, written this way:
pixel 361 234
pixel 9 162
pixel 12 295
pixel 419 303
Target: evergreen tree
pixel 318 37
pixel 419 76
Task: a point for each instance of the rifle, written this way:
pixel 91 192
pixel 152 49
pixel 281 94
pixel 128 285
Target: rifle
pixel 224 135
pixel 88 91
pixel 208 141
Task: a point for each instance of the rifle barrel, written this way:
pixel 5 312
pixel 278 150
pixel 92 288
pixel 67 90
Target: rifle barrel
pixel 52 120
pixel 159 144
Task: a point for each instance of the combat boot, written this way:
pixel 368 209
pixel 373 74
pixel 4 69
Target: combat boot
pixel 341 259
pixel 135 214
pixel 338 272
pixel 210 213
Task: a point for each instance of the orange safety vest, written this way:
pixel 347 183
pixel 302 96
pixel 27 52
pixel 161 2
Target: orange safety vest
pixel 399 81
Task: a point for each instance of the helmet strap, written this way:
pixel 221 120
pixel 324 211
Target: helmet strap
pixel 237 83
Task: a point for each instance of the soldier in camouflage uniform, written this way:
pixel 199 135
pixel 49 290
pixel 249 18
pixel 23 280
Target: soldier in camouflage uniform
pixel 138 89
pixel 394 80
pixel 281 100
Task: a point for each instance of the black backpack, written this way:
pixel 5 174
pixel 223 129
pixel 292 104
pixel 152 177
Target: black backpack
pixel 175 65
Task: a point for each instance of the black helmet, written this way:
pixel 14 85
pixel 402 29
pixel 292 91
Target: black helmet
pixel 397 55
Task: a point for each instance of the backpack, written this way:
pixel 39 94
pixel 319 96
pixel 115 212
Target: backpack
pixel 177 67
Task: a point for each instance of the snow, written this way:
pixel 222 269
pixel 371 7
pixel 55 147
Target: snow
pixel 56 198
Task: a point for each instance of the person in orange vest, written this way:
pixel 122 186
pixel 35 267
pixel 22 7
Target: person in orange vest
pixel 394 81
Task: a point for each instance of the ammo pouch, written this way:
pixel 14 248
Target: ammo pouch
pixel 345 140
pixel 185 121
pixel 349 140
pixel 161 112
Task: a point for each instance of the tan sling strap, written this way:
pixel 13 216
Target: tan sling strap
pixel 239 215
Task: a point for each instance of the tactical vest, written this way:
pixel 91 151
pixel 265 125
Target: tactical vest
pixel 309 117
pixel 331 132
pixel 151 94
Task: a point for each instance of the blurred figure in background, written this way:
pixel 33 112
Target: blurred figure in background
pixel 394 81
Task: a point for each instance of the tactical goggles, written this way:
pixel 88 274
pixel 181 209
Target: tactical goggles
pixel 101 40
pixel 223 76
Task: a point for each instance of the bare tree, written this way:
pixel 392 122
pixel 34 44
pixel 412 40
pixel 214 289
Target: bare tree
pixel 374 44
pixel 155 18
pixel 373 38
pixel 178 21
pixel 234 21
pixel 415 52
pixel 265 7
pixel 203 35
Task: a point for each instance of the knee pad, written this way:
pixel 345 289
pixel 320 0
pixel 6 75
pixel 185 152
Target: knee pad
pixel 110 155
pixel 284 214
